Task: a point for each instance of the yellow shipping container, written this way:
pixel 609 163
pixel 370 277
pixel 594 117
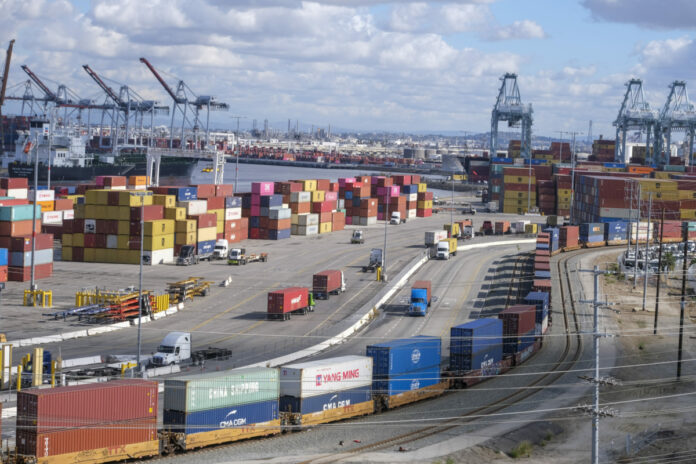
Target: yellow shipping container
pixel 91 211
pixel 324 227
pixel 185 238
pixel 78 240
pixel 66 253
pixel 687 213
pixel 564 192
pixel 75 198
pixel 137 180
pixel 219 213
pixel 514 209
pixel 186 226
pixel 129 198
pixel 100 255
pixel 425 204
pixel 159 227
pixel 159 242
pixel 687 194
pixel 530 228
pixel 519 180
pixel 422 187
pixel 655 185
pixel 517 194
pixel 66 240
pixel 317 196
pixel 664 195
pixel 206 234
pixel 46 206
pixel 515 202
pixel 168 201
pixel 309 185
pixel 79 211
pixel 123 242
pixel 662 175
pixel 220 229
pixel 177 214
pixel 89 255
pixel 294 219
pixel 97 197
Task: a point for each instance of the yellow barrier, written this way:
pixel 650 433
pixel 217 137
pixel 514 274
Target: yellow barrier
pixel 161 303
pixel 43 297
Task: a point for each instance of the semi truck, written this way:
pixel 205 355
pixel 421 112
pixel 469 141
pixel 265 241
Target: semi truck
pixel 188 256
pixel 176 349
pixel 447 248
pixel 357 237
pixel 239 256
pixel 292 300
pixel 396 218
pixel 221 249
pixel 421 298
pixel 433 237
pixel 375 260
pixel 325 283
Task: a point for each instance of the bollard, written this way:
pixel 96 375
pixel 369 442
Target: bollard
pixel 19 378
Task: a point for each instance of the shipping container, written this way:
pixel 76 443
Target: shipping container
pixel 288 300
pixel 327 401
pixel 240 415
pixel 404 355
pixel 313 378
pixel 518 323
pixel 475 336
pixel 414 380
pixel 541 301
pixel 214 390
pixel 484 359
pixel 327 282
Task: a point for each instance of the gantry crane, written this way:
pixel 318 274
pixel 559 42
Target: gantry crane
pixel 678 114
pixel 5 74
pixel 508 107
pixel 635 114
pixel 184 97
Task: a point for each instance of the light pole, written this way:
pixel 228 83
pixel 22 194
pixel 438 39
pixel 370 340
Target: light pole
pixel 236 151
pixel 32 284
pixel 386 222
pixel 142 196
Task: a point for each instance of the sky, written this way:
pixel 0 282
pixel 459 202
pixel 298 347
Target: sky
pixel 365 65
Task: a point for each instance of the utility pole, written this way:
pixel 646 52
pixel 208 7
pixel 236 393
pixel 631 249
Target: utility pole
pixel 635 258
pixel 594 410
pixel 659 271
pixel 647 244
pixel 386 223
pixel 685 233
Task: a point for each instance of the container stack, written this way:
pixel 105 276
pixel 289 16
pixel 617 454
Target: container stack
pixel 563 194
pixel 519 327
pixel 496 178
pixel 424 206
pixel 236 227
pixel 554 235
pixel 405 364
pixel 603 150
pixel 409 191
pixel 66 420
pixel 547 197
pixel 518 191
pixel 541 301
pixel 670 232
pixel 211 402
pixel 476 345
pixel 4 256
pixel 15 235
pixel 642 232
pixel 542 284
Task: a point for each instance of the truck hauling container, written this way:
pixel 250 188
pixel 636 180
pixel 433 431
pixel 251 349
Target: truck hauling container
pixel 433 237
pixel 420 298
pixel 447 248
pixel 297 300
pixel 325 283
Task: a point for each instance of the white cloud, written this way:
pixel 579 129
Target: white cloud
pixel 525 29
pixel 658 14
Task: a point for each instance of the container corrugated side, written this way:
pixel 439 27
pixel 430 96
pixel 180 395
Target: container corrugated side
pixel 303 380
pixel 211 391
pixel 475 335
pixel 406 382
pixel 47 410
pixel 404 355
pixel 483 359
pixel 220 418
pixel 326 401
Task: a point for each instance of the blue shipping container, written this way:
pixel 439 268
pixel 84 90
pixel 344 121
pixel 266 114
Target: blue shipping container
pixel 541 301
pixel 484 359
pixel 404 355
pixel 254 221
pixel 326 401
pixel 498 160
pixel 617 230
pixel 206 247
pixel 233 202
pixel 184 193
pixel 356 202
pixel 271 200
pixel 406 382
pixel 512 345
pixel 542 246
pixel 3 256
pixel 542 274
pixel 221 418
pixel 592 232
pixel 278 234
pixel 475 336
pixel 348 195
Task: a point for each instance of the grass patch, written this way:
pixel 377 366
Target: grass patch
pixel 523 450
pixel 641 346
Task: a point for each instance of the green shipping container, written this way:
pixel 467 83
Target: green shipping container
pixel 692 226
pixel 19 213
pixel 215 390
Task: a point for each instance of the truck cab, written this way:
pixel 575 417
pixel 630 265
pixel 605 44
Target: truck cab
pixel 187 256
pixel 175 347
pixel 420 298
pixel 446 248
pixel 396 218
pixel 358 237
pixel 221 249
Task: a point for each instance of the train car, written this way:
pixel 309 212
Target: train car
pixel 592 234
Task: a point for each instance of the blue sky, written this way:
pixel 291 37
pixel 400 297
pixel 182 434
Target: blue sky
pixel 366 64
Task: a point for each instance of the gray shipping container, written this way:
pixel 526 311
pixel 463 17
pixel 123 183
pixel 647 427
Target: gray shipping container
pixel 210 391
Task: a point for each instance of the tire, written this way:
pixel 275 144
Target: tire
pixel 244 262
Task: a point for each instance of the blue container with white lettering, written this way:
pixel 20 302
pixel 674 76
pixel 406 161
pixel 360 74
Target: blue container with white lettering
pixel 233 202
pixel 184 193
pixel 404 355
pixel 268 201
pixel 326 401
pixel 475 336
pixel 487 358
pixel 243 415
pixel 3 256
pixel 206 247
pixel 407 382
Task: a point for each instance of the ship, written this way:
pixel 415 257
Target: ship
pixel 63 155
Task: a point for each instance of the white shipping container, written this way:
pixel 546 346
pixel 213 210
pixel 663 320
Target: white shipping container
pixel 368 221
pixel 117 187
pixel 158 257
pixel 645 230
pixel 433 237
pixel 42 195
pixel 52 217
pixel 307 230
pixel 20 194
pixel 341 203
pixel 138 187
pixel 232 214
pixel 90 226
pixel 194 207
pixel 305 380
pixel 112 241
pixel 279 213
pixel 68 214
pixel 620 213
pixel 311 219
pixel 411 214
pixel 300 197
pixel 412 197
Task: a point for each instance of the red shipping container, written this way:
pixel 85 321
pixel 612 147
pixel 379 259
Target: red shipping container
pixel 224 190
pixel 542 252
pixel 279 224
pixel 323 207
pixel 287 300
pixel 216 203
pixel 23 274
pixel 205 191
pixel 402 180
pixel 13 201
pixel 112 436
pixel 338 221
pixel 150 212
pixel 100 241
pixel 90 240
pixel 568 236
pixel 115 181
pixel 326 217
pixel 3 278
pixel 18 228
pixel 539 266
pixel 78 254
pixel 323 184
pixel 14 182
pixel 43 242
pixel 78 226
pixel 424 212
pixel 425 196
pixel 205 220
pixel 47 410
pixel 326 282
pixel 518 320
pixel 63 204
pixel 301 208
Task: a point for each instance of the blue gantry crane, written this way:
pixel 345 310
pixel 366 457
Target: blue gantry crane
pixel 509 107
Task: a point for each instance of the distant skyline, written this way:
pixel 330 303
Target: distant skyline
pixel 365 65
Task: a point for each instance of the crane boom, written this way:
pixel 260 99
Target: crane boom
pixel 162 81
pixel 6 72
pixel 108 90
pixel 44 88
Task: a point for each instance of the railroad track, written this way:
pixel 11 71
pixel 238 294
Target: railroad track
pixel 565 362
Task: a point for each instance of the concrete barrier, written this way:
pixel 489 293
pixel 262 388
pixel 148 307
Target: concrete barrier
pixel 81 361
pixel 143 320
pixel 76 334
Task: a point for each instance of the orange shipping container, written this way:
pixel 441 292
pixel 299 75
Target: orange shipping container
pixel 17 228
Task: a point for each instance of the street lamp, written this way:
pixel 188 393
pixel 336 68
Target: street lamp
pixel 142 196
pixel 386 222
pixel 32 284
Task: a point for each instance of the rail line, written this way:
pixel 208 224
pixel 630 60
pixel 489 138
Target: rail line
pixel 562 364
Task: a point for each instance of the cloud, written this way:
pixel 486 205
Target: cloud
pixel 525 29
pixel 656 14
